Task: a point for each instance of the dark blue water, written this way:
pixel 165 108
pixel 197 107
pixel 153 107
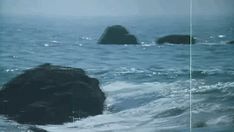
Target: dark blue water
pixel 147 85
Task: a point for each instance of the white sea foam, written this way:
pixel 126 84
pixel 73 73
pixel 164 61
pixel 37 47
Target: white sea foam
pixel 221 36
pixel 46 45
pixel 144 106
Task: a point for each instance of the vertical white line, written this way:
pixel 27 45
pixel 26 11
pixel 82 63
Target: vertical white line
pixel 190 68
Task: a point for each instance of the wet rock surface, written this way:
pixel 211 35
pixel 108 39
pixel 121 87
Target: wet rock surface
pixel 50 94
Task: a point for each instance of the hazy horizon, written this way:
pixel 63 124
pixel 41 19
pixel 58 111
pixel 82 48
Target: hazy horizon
pixel 115 8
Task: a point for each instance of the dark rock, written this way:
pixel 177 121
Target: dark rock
pixel 199 124
pixel 50 94
pixel 117 34
pixel 176 39
pixel 230 42
pixel 36 129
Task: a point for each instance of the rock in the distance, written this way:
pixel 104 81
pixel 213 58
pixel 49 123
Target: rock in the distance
pixel 175 39
pixel 230 42
pixel 50 94
pixel 117 34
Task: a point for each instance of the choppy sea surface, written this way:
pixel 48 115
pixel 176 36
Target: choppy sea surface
pixel 147 85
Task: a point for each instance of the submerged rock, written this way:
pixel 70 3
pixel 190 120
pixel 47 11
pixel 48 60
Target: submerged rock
pixel 36 129
pixel 117 34
pixel 50 94
pixel 230 42
pixel 176 39
pixel 199 124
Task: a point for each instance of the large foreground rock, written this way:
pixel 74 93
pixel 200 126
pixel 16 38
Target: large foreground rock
pixel 50 94
pixel 117 34
pixel 176 39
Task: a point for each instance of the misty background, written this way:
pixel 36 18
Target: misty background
pixel 115 7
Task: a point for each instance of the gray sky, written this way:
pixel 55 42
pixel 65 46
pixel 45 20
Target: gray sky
pixel 114 7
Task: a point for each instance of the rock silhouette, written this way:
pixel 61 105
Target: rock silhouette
pixel 50 94
pixel 117 34
pixel 230 42
pixel 175 39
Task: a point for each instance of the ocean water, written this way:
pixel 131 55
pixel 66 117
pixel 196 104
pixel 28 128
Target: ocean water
pixel 147 85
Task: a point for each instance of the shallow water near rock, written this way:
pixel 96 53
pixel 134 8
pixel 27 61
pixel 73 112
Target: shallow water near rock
pixel 147 85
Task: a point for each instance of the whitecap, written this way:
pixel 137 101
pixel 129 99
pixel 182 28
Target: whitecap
pixel 221 36
pixel 85 38
pixel 11 70
pixel 54 41
pixel 211 37
pixel 222 120
pixel 46 45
